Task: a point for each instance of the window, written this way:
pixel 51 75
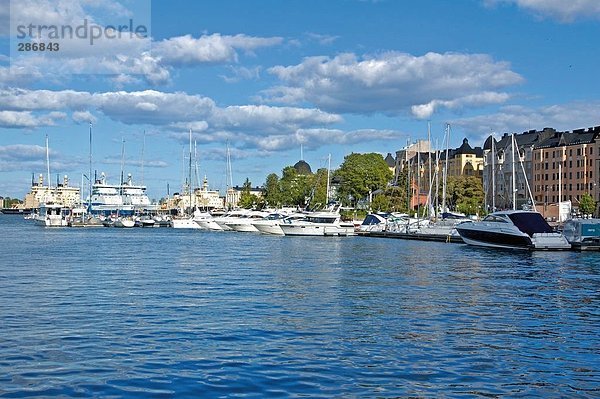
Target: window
pixel 553 154
pixel 579 151
pixel 570 164
pixel 591 150
pixel 571 152
pixel 546 155
pixel 570 175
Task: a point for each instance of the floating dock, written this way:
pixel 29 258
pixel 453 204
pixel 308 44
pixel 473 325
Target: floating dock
pixel 414 236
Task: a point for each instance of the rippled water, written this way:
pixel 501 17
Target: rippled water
pixel 155 313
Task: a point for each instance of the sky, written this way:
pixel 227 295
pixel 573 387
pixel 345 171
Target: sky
pixel 268 77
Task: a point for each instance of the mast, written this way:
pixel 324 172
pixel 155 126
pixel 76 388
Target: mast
pixel 493 175
pixel 514 190
pixel 429 167
pixel 143 149
pixel 445 178
pixel 327 189
pixel 48 163
pixel 190 173
pixel 90 182
pixel 418 176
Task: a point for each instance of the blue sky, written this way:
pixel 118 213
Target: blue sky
pixel 335 76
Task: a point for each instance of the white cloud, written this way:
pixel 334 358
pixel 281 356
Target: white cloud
pixel 394 83
pixel 215 48
pixel 83 117
pixel 26 119
pixel 178 111
pixel 516 118
pixel 561 10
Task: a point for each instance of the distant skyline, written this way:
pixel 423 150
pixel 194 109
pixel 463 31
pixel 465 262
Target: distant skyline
pixel 270 77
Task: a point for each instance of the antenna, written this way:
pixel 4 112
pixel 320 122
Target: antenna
pixel 301 152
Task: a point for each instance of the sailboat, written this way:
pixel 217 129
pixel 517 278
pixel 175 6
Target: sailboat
pixel 49 213
pixel 186 221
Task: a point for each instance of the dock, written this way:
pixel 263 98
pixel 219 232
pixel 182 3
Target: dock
pixel 414 236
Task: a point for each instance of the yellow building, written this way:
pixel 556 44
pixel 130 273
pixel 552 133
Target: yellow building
pixel 62 194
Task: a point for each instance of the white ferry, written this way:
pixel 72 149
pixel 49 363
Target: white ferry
pixel 122 199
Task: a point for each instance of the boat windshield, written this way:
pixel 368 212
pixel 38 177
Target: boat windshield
pixel 494 218
pixel 530 223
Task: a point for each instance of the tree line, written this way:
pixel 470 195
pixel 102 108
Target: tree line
pixel 361 181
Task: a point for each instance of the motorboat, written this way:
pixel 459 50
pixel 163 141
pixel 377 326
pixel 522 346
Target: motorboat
pixel 583 234
pixel 244 222
pixel 185 222
pixel 52 215
pixel 272 223
pixel 124 222
pixel 374 222
pixel 318 224
pixel 229 217
pixel 514 229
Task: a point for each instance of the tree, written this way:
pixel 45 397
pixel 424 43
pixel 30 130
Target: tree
pixel 587 205
pixel 392 199
pixel 247 200
pixel 464 194
pixel 272 190
pixel 361 174
pixel 295 188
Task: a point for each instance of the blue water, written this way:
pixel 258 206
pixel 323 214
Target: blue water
pixel 159 313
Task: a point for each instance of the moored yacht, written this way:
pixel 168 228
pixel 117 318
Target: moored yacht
pixel 318 224
pixel 52 215
pixel 244 223
pixel 272 223
pixel 514 230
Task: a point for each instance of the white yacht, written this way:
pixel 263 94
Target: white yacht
pixel 52 215
pixel 229 217
pixel 184 222
pixel 512 229
pixel 318 224
pixel 244 223
pixel 272 223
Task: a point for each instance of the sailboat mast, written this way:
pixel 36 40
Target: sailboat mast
pixel 327 189
pixel 190 172
pixel 445 179
pixel 90 171
pixel 429 167
pixel 493 175
pixel 514 189
pixel 48 163
pixel 143 149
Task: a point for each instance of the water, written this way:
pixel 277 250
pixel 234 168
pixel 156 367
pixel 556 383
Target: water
pixel 159 313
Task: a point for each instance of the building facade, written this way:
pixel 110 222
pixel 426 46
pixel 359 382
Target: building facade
pixel 549 167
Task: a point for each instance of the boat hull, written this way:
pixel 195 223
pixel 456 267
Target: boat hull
pixel 507 240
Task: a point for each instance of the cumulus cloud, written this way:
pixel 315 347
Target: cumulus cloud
pixel 26 119
pixel 393 82
pixel 177 111
pixel 518 118
pixel 83 117
pixel 207 49
pixel 561 10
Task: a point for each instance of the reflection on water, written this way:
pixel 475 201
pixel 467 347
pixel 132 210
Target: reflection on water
pixel 162 312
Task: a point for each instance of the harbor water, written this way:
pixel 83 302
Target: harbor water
pixel 159 313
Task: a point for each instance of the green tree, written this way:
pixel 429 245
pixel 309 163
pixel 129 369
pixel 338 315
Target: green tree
pixel 464 194
pixel 319 189
pixel 247 200
pixel 360 174
pixel 392 199
pixel 295 188
pixel 587 205
pixel 272 190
